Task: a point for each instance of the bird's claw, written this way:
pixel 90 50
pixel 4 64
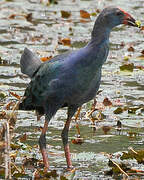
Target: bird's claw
pixel 70 169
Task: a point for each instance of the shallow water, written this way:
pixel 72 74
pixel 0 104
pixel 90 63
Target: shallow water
pixel 41 35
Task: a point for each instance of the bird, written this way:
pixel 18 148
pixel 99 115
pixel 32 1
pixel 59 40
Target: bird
pixel 69 79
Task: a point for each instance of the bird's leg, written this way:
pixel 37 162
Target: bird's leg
pixel 76 117
pixel 42 144
pixel 71 111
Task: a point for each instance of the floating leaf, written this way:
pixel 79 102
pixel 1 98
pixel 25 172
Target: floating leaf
pixel 132 134
pixel 15 146
pixel 46 58
pixel 12 16
pixel 126 58
pixel 142 28
pixel 84 14
pixel 45 175
pixel 19 175
pixel 65 14
pixel 2 95
pixel 65 41
pixel 107 102
pixel 29 17
pixel 139 156
pixel 77 141
pixel 48 2
pixel 106 129
pixel 53 1
pixel 84 20
pixel 93 14
pixel 131 49
pixel 119 110
pixel 63 178
pixel 127 67
pixel 132 110
pixel 142 51
pixel 23 138
pixel 141 57
pixel 140 67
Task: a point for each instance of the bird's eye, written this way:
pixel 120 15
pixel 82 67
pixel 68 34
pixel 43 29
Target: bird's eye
pixel 119 13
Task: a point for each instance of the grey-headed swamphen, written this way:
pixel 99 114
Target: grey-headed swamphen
pixel 70 79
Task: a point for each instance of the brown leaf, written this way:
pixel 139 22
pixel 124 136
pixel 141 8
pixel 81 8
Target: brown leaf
pixel 65 14
pixel 84 14
pixel 142 51
pixel 142 28
pixel 23 138
pixel 14 94
pixel 98 10
pixel 65 41
pixel 45 58
pixel 122 44
pixel 106 129
pixel 29 17
pixel 77 141
pixel 107 102
pixel 140 67
pixel 36 38
pixel 12 16
pixel 131 49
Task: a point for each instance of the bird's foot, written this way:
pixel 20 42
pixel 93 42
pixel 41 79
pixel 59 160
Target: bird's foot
pixel 70 168
pixel 46 169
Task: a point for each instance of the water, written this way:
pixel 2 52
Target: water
pixel 41 35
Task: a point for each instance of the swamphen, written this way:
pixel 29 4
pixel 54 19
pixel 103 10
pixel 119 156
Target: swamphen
pixel 70 79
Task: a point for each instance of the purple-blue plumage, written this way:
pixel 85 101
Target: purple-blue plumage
pixel 69 79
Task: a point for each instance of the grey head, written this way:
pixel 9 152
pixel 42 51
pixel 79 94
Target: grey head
pixel 113 16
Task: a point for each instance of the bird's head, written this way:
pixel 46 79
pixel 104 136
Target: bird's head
pixel 113 16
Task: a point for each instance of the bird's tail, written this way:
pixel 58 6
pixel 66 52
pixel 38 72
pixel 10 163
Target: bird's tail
pixel 29 63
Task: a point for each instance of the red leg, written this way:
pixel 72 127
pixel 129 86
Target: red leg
pixel 76 117
pixel 42 144
pixel 71 111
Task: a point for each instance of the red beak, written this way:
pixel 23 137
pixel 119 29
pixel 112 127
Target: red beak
pixel 128 19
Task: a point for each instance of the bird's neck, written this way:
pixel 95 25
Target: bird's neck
pixel 98 47
pixel 100 34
